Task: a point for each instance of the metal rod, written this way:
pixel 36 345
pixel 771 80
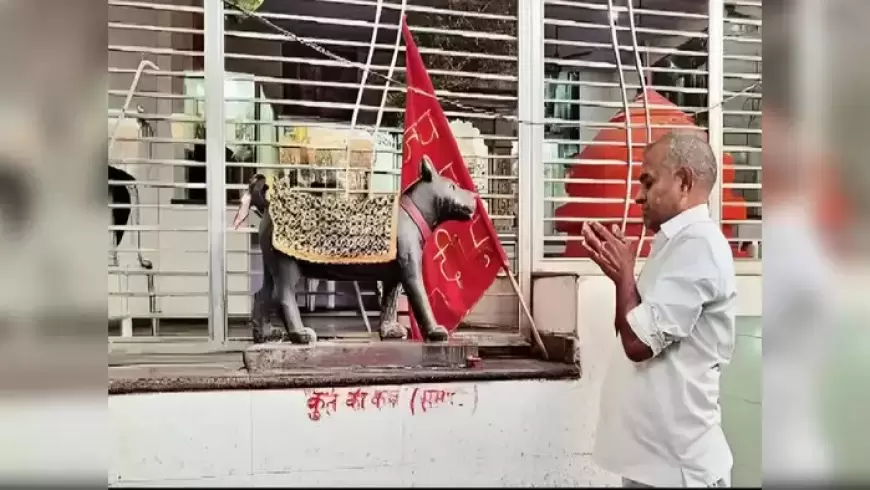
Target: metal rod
pixel 126 318
pixel 215 143
pixel 650 12
pixel 611 19
pixel 137 218
pixel 123 114
pixel 528 314
pixel 440 93
pixel 134 190
pixel 362 307
pixel 638 64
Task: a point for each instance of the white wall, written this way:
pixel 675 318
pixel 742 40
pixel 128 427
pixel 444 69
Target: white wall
pixel 597 301
pixel 496 433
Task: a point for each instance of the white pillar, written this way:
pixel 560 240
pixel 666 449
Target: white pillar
pixel 215 164
pixel 715 96
pixel 530 109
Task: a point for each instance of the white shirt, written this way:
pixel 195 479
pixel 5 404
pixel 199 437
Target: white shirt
pixel 660 420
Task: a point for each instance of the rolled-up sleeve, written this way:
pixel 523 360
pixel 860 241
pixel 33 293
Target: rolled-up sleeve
pixel 671 306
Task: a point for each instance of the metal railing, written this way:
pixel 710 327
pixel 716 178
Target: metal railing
pixel 216 62
pixel 541 75
pixel 689 58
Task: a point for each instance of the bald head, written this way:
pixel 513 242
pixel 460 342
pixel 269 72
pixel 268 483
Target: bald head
pixel 678 173
pixel 688 149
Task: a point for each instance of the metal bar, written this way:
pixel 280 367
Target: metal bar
pixel 362 307
pixel 585 267
pixel 742 39
pixel 197 294
pixel 551 239
pixel 645 49
pixel 621 10
pixel 154 73
pixel 337 21
pixel 151 50
pixel 477 96
pixel 715 85
pixel 379 68
pixel 530 109
pixel 744 3
pixel 156 6
pixel 153 28
pixel 644 30
pixel 428 10
pixel 215 143
pixel 596 125
pixel 394 6
pixel 383 68
pixel 322 41
pixel 612 66
pixel 129 97
pixel 126 319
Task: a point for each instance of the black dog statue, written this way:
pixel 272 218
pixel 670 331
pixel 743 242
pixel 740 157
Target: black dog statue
pixel 432 200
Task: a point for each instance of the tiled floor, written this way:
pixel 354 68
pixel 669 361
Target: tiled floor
pixel 741 403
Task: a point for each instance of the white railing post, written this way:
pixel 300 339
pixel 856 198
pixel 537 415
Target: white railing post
pixel 530 110
pixel 215 144
pixel 715 96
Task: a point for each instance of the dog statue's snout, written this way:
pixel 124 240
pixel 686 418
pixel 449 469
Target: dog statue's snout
pixel 472 203
pixel 467 202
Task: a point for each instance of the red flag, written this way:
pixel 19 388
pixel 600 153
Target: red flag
pixel 460 259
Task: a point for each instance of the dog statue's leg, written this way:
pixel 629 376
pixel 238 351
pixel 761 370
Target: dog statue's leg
pixel 262 329
pixel 390 328
pixel 259 320
pixel 289 276
pixel 412 280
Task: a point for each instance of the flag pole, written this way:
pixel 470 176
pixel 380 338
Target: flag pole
pixel 535 334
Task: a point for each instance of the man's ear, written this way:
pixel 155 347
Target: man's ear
pixel 427 170
pixel 685 177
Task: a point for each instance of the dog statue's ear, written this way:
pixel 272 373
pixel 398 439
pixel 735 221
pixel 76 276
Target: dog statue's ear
pixel 427 169
pixel 256 178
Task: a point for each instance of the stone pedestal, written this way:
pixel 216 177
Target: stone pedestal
pixel 285 356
